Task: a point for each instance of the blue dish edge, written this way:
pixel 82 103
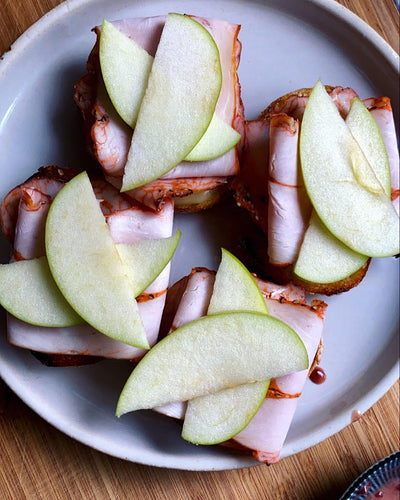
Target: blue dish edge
pixel 357 484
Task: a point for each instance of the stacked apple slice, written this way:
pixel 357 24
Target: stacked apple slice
pixel 86 276
pixel 220 363
pixel 169 99
pixel 125 67
pixel 217 417
pixel 347 177
pixel 28 292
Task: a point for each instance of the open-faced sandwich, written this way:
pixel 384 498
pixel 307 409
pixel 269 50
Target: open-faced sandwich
pixel 226 352
pixel 65 337
pixel 111 93
pixel 254 418
pixel 87 280
pixel 318 172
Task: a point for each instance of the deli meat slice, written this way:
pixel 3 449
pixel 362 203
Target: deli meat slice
pixel 264 436
pixel 24 212
pixel 289 208
pixel 381 109
pixel 192 305
pixel 267 431
pixel 286 211
pixel 270 187
pixel 109 137
pixel 250 186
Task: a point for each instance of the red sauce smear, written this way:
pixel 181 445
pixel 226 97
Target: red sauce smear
pixel 275 181
pixel 355 415
pixel 17 255
pixel 318 375
pixel 274 392
pixel 364 489
pixel 389 491
pixel 145 297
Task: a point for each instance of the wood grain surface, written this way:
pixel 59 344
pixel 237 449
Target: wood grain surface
pixel 39 462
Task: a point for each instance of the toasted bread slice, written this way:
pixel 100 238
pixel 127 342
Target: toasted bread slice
pixel 292 104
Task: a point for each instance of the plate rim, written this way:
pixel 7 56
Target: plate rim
pixel 331 6
pixel 344 15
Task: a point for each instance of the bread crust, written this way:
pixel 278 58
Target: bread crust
pixel 336 287
pixel 285 274
pixel 280 101
pixel 317 357
pixel 197 202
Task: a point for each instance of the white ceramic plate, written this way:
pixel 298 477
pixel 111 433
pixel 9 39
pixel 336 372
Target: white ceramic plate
pixel 286 45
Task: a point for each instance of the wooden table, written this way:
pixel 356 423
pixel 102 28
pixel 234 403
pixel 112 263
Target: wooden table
pixel 37 461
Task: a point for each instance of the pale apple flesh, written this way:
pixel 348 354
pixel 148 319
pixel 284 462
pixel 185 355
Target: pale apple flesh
pixel 109 138
pixel 341 184
pixel 323 258
pixel 217 140
pixel 86 266
pixel 265 433
pixel 210 354
pixel 125 67
pixel 145 259
pixel 382 112
pixel 235 289
pixel 366 132
pixel 128 224
pixel 28 292
pixel 217 417
pixel 179 102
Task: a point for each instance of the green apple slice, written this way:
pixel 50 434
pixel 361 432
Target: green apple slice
pixel 366 132
pixel 218 139
pixel 86 266
pixel 341 184
pixel 235 289
pixel 28 292
pixel 179 102
pixel 210 354
pixel 323 258
pixel 125 67
pixel 217 417
pixel 145 259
